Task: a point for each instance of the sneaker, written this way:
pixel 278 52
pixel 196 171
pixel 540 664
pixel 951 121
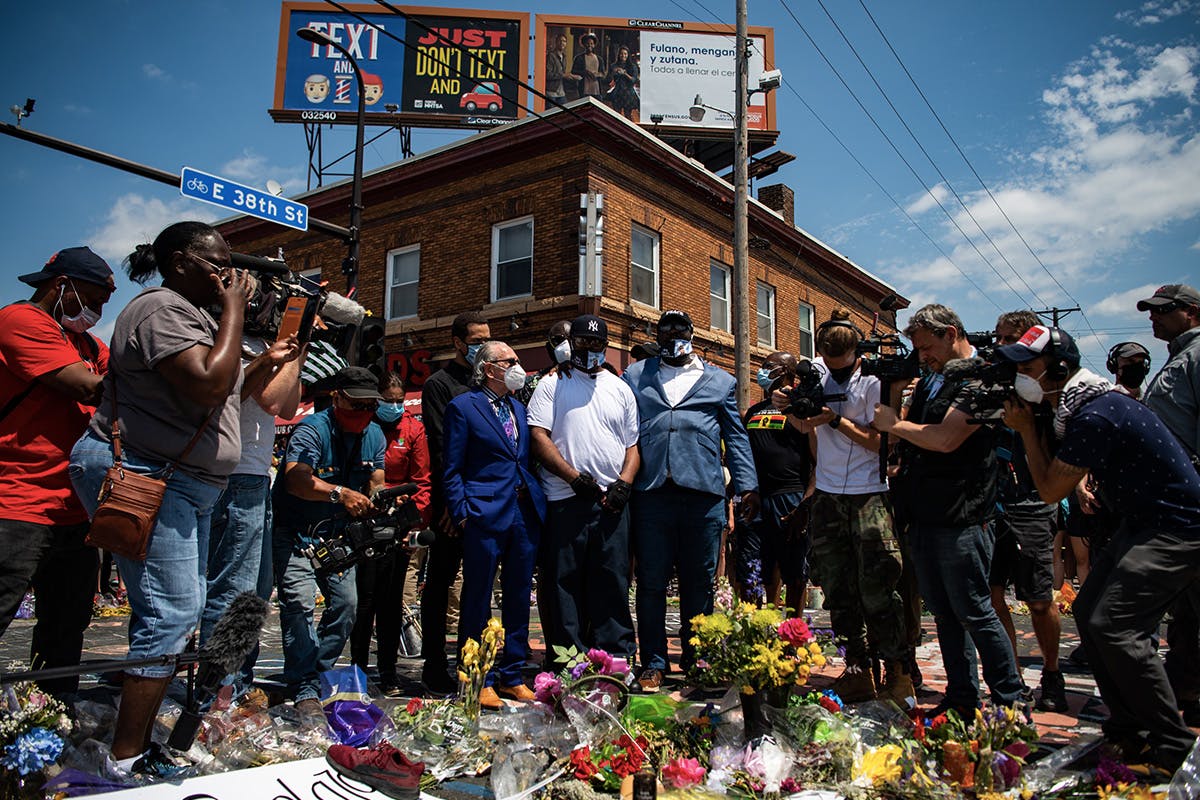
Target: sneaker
pixel 389 686
pixel 384 768
pixel 156 765
pixel 651 680
pixel 1054 692
pixel 898 687
pixel 438 682
pixel 855 685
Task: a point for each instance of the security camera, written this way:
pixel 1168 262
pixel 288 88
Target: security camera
pixel 771 79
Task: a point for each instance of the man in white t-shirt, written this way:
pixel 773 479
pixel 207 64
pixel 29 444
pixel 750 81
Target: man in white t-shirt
pixel 855 555
pixel 583 427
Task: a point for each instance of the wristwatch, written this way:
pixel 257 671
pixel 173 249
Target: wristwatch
pixel 335 494
pixel 837 420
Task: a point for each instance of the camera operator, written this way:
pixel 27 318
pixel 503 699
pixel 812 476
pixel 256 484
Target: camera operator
pixel 1153 559
pixel 947 486
pixel 856 556
pixel 50 374
pixel 1024 549
pixel 1174 396
pixel 334 460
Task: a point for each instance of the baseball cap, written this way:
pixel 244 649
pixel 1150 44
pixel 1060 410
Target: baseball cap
pixel 1171 293
pixel 73 262
pixel 1038 341
pixel 589 325
pixel 675 316
pixel 357 382
pixel 1129 350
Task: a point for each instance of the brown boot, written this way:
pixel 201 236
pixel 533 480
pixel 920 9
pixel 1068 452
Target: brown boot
pixel 898 686
pixel 855 684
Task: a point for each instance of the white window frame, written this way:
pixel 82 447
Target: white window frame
pixel 391 280
pixel 810 330
pixel 495 271
pixel 724 268
pixel 768 314
pixel 655 268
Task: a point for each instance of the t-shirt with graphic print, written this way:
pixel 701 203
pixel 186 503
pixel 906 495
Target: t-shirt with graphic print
pixel 781 455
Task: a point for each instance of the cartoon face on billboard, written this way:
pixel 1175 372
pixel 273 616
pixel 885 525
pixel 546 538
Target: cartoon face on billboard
pixel 372 88
pixel 316 88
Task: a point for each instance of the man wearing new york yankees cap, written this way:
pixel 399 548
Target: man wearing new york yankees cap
pixel 1151 561
pixel 583 426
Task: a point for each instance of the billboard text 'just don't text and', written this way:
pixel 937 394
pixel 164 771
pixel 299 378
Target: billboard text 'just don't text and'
pixel 644 68
pixel 427 67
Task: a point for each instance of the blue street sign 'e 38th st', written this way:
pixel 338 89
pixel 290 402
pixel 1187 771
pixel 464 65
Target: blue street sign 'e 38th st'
pixel 242 199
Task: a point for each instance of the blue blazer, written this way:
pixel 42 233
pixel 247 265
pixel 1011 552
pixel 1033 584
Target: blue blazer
pixel 483 470
pixel 684 443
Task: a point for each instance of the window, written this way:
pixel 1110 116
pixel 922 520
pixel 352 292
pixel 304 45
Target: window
pixel 766 315
pixel 512 259
pixel 718 295
pixel 806 330
pixel 404 273
pixel 643 257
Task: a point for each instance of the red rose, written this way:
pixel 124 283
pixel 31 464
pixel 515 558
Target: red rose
pixel 414 706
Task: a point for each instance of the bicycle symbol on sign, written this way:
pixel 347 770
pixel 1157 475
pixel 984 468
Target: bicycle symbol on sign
pixel 197 185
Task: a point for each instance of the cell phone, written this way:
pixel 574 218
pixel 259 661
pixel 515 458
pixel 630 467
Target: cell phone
pixel 297 318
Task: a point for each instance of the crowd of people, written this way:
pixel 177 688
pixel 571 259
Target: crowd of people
pixel 595 481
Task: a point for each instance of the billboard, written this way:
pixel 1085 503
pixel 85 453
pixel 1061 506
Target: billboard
pixel 643 68
pixel 434 67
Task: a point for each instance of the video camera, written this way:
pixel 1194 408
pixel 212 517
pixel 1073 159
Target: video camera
pixel 984 343
pixel 887 357
pixel 282 302
pixel 355 539
pixel 807 397
pixel 992 382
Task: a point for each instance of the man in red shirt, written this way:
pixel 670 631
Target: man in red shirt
pixel 50 373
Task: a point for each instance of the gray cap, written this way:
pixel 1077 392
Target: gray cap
pixel 1171 293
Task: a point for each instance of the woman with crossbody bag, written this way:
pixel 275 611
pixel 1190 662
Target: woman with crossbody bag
pixel 174 379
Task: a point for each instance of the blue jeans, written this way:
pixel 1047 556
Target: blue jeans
pixel 235 552
pixel 307 652
pixel 952 567
pixel 166 591
pixel 674 528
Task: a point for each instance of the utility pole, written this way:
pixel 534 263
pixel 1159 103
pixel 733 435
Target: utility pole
pixel 741 232
pixel 1056 313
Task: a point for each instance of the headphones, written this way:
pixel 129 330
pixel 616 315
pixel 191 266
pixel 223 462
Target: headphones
pixel 1058 370
pixel 839 323
pixel 1114 354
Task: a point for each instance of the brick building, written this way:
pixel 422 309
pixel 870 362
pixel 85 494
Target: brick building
pixel 492 222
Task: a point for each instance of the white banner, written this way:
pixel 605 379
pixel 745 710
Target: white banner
pixel 677 66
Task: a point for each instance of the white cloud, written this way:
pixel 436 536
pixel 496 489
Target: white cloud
pixel 155 72
pixel 135 219
pixel 1155 11
pixel 253 169
pixel 928 199
pixel 75 108
pixel 1124 304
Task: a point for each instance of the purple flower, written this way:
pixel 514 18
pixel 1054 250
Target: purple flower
pixel 578 670
pixel 601 660
pixel 1109 773
pixel 547 687
pixel 1008 770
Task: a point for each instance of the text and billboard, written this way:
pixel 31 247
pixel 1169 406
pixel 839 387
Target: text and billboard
pixel 645 68
pixel 430 67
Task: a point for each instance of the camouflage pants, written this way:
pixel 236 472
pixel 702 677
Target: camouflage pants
pixel 856 561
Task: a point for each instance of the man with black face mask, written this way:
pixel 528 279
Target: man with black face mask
pixel 584 429
pixel 1129 362
pixel 50 374
pixel 688 409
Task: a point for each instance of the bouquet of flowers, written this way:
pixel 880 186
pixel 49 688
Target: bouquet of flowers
pixel 755 649
pixel 474 665
pixel 986 753
pixel 33 727
pixel 608 763
pixel 594 669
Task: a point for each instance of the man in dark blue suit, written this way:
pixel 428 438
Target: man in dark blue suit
pixel 498 504
pixel 687 409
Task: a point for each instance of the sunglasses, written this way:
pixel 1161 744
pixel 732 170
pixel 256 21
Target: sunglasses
pixel 508 362
pixel 1166 308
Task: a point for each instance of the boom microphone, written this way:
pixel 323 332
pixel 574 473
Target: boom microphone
pixel 342 310
pixel 961 368
pixel 233 639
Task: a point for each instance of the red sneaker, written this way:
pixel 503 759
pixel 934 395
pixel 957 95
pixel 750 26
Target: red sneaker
pixel 384 768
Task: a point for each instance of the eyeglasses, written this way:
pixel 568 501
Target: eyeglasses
pixel 557 340
pixel 220 271
pixel 506 361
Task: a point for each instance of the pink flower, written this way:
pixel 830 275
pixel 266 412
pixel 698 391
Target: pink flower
pixel 795 632
pixel 601 660
pixel 683 773
pixel 547 688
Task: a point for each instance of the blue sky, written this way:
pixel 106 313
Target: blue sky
pixel 1080 117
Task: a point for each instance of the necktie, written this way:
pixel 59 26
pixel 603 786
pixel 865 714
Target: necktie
pixel 504 414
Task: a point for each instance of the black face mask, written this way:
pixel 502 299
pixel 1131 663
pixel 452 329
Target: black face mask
pixel 1131 375
pixel 841 374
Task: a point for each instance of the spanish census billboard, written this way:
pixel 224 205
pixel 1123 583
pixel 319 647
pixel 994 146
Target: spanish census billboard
pixel 644 68
pixel 429 67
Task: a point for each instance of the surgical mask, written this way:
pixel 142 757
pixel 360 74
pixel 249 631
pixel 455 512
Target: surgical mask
pixel 1028 389
pixel 514 378
pixel 680 347
pixel 389 412
pixel 85 319
pixel 763 378
pixel 352 420
pixel 1131 375
pixel 472 351
pixel 562 352
pixel 587 360
pixel 595 360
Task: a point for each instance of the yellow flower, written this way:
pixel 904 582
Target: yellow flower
pixel 818 660
pixel 462 677
pixel 766 619
pixel 712 627
pixel 880 765
pixel 814 648
pixel 470 653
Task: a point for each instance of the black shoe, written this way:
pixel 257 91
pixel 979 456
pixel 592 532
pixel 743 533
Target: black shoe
pixel 438 682
pixel 965 713
pixel 1053 693
pixel 389 685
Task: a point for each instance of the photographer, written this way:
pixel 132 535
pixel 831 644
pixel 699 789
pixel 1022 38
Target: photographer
pixel 856 557
pixel 334 461
pixel 1153 559
pixel 947 487
pixel 1024 550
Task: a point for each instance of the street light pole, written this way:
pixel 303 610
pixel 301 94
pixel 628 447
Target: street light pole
pixel 350 265
pixel 741 231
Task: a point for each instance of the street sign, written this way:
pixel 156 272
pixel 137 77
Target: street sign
pixel 243 199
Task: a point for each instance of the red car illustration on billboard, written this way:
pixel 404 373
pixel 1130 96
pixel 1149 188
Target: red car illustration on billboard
pixel 483 96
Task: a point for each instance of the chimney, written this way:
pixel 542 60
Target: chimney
pixel 779 197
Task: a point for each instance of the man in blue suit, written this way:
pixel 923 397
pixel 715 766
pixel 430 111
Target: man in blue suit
pixel 686 410
pixel 498 505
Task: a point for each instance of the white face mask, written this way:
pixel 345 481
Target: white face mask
pixel 1029 389
pixel 562 352
pixel 85 319
pixel 514 377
